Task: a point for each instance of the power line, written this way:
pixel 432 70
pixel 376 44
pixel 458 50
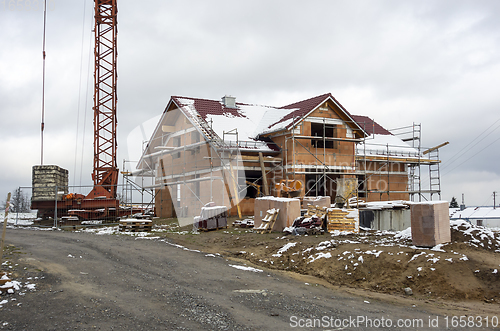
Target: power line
pixel 79 91
pixel 85 110
pixel 462 152
pixel 494 141
pixel 43 80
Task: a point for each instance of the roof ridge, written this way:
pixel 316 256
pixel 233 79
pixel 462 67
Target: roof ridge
pixel 192 98
pixel 220 101
pixel 309 99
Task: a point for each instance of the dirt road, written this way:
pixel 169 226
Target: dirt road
pixel 86 281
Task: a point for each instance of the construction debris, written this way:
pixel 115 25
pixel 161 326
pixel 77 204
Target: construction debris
pixel 318 220
pixel 135 225
pixel 212 217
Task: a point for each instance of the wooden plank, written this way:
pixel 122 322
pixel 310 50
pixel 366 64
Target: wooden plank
pixel 135 225
pixel 136 222
pixel 311 210
pixel 264 176
pixel 256 159
pixel 235 188
pixel 342 227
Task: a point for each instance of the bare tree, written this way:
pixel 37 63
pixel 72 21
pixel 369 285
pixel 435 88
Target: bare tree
pixel 20 202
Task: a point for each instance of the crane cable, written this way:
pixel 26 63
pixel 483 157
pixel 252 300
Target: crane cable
pixel 85 112
pixel 43 81
pixel 79 91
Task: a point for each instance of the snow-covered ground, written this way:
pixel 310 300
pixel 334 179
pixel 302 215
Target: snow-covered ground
pixel 387 241
pixel 18 287
pixel 294 254
pixel 20 218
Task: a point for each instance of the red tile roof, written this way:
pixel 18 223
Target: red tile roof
pixel 369 125
pixel 212 107
pixel 215 107
pixel 304 107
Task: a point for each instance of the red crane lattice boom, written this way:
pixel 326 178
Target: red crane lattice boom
pixel 105 174
pixel 101 203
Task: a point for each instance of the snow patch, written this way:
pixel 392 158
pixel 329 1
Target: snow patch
pixel 240 267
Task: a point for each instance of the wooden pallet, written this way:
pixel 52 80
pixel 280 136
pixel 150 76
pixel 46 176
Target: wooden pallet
pixel 337 220
pixel 318 211
pixel 336 214
pixel 342 226
pixel 311 210
pixel 135 225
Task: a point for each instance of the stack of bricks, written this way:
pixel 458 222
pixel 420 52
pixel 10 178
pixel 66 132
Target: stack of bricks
pixel 46 179
pixel 430 223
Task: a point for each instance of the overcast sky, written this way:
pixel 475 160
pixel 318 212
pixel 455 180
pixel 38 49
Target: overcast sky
pixel 399 62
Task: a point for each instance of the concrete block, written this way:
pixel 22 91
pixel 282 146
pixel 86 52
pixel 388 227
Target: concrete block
pixel 430 223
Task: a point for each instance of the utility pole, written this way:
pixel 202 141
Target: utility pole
pixel 494 199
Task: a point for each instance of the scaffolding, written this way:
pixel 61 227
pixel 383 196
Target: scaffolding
pixel 428 158
pixel 318 158
pixel 197 166
pixel 192 166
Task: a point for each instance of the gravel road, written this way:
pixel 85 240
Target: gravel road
pixel 106 282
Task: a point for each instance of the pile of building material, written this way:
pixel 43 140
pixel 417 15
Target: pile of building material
pixel 343 220
pixel 289 210
pixel 430 223
pixel 212 217
pixel 246 223
pixel 318 220
pixel 135 225
pixel 50 182
pixel 311 223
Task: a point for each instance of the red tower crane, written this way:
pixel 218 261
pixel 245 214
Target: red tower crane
pixel 105 175
pixel 101 202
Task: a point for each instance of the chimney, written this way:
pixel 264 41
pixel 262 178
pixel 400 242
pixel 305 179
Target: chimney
pixel 229 101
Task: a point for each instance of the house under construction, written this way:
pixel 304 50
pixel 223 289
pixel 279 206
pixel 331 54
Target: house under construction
pixel 229 153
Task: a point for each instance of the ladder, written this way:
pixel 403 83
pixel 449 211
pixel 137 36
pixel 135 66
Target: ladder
pixel 414 179
pixel 207 131
pixel 434 175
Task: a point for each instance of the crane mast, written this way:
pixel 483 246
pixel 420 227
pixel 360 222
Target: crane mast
pixel 101 203
pixel 105 170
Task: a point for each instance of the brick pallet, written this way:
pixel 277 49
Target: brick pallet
pixel 136 225
pixel 213 223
